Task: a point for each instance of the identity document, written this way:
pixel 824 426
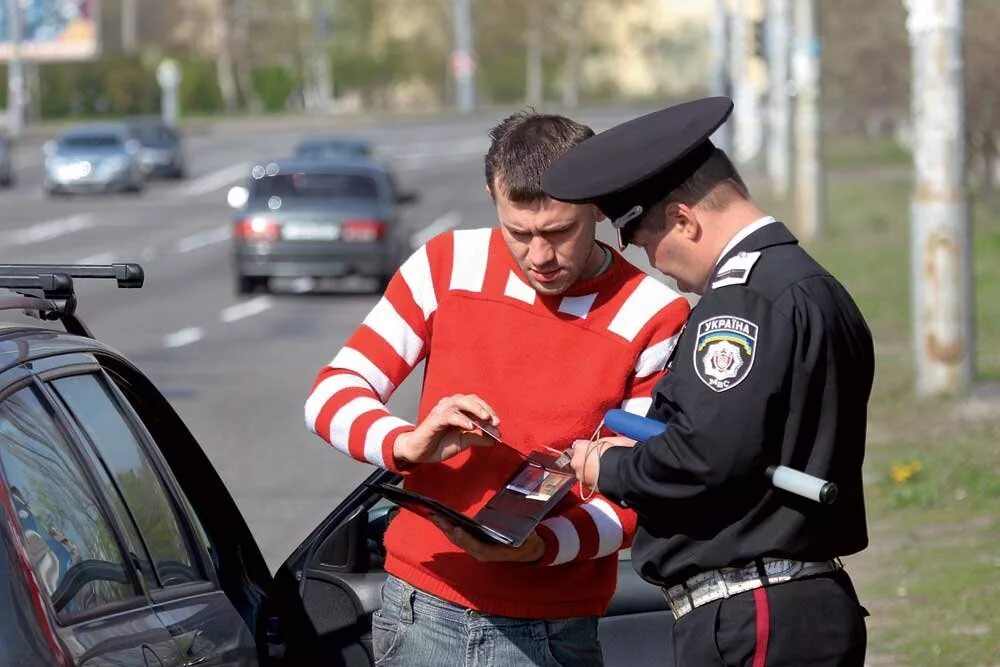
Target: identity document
pixel 536 486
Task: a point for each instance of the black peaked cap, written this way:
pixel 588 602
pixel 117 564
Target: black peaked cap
pixel 631 166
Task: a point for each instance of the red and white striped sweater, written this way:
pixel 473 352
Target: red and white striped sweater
pixel 549 365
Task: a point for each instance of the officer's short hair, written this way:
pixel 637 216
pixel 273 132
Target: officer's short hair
pixel 701 188
pixel 522 147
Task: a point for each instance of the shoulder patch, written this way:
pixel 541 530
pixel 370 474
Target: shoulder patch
pixel 736 270
pixel 723 351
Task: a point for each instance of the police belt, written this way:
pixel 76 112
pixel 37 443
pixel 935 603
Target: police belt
pixel 729 581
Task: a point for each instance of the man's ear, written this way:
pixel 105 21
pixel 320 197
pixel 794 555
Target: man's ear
pixel 684 218
pixel 596 212
pixel 488 191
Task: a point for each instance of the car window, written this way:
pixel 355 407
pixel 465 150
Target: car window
pixel 91 141
pixel 323 185
pixel 153 133
pixel 77 560
pixel 320 150
pixel 146 498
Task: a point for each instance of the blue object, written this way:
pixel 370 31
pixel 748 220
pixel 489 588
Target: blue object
pixel 643 428
pixel 632 425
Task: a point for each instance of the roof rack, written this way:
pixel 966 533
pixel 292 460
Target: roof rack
pixel 46 291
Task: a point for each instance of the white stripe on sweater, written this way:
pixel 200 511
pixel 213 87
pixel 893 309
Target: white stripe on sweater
pixel 375 438
pixel 637 406
pixel 577 305
pixel 325 390
pixel 609 528
pixel 352 360
pixel 344 418
pixel 387 323
pixel 566 536
pixel 518 289
pixel 649 297
pixel 468 270
pixel 654 358
pixel 416 272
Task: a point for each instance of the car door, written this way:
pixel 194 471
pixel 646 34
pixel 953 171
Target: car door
pixel 320 601
pixel 171 546
pixel 88 593
pixel 340 567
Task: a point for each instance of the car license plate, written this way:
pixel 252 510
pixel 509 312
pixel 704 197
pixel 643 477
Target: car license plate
pixel 310 231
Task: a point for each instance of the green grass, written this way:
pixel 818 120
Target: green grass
pixel 931 576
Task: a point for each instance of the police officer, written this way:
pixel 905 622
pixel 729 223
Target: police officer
pixel 774 367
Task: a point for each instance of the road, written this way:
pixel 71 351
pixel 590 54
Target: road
pixel 238 370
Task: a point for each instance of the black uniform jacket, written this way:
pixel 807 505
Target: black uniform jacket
pixel 774 367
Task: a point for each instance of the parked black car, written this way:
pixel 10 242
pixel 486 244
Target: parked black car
pixel 162 152
pixel 120 545
pixel 318 219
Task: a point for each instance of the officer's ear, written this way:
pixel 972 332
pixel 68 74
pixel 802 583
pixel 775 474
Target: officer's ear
pixel 684 219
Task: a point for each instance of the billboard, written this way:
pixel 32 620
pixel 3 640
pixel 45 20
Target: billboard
pixel 52 29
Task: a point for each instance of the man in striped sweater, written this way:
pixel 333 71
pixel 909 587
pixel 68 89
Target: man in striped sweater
pixel 538 323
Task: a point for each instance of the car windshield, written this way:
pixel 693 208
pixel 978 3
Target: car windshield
pixel 153 133
pixel 317 185
pixel 90 141
pixel 323 149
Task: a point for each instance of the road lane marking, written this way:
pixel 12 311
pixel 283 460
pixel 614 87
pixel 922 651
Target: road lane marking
pixel 215 180
pixel 183 337
pixel 239 311
pixel 205 238
pixel 442 224
pixel 48 230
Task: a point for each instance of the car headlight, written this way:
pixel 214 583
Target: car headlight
pixel 71 170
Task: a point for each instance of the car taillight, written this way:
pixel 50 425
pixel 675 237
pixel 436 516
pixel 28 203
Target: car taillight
pixel 362 230
pixel 258 229
pixel 8 513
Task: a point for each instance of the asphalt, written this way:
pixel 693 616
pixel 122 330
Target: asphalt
pixel 238 369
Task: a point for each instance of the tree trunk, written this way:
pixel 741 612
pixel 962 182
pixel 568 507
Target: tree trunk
pixel 988 151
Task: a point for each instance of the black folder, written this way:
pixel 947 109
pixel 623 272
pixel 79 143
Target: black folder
pixel 510 516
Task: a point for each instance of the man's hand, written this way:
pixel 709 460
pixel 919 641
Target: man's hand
pixel 587 453
pixel 446 431
pixel 529 552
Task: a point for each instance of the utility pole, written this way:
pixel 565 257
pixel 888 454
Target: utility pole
pixel 319 95
pixel 129 18
pixel 15 72
pixel 940 237
pixel 745 75
pixel 810 193
pixel 463 61
pixel 779 134
pixel 721 83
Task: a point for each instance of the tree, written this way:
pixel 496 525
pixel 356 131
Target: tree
pixel 982 87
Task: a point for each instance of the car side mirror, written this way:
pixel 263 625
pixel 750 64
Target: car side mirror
pixel 407 198
pixel 238 196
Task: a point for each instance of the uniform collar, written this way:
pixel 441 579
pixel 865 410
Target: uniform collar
pixel 742 252
pixel 742 234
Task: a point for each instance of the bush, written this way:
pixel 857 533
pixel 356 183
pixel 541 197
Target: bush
pixel 274 84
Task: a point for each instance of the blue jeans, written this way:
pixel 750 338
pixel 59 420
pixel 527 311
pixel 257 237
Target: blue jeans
pixel 415 629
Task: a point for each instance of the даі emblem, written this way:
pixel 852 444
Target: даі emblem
pixel 723 351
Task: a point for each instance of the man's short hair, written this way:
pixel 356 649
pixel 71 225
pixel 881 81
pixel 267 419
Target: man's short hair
pixel 523 146
pixel 702 188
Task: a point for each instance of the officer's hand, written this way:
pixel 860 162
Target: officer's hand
pixel 446 431
pixel 587 453
pixel 529 552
